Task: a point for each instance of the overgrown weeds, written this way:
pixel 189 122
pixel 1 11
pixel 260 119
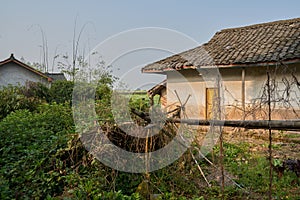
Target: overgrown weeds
pixel 42 157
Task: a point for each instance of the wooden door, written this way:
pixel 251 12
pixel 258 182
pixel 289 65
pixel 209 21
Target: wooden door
pixel 211 100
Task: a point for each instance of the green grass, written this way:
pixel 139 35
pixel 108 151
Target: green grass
pixel 252 172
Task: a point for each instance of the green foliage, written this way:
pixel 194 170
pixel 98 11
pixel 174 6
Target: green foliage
pixel 103 91
pixel 234 154
pixel 28 143
pixel 61 91
pixel 15 97
pixel 128 182
pixel 252 172
pixel 140 102
pixel 36 90
pixel 277 163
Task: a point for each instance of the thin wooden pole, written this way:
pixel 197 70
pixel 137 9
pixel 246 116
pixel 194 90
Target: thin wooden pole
pixel 243 93
pixel 219 114
pixel 222 163
pixel 147 166
pixel 202 173
pixel 270 136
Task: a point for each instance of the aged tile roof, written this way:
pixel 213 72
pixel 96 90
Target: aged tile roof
pixel 56 76
pixel 260 43
pixel 157 88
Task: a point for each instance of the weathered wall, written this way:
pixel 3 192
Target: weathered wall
pixel 13 74
pixel 286 93
pixel 185 84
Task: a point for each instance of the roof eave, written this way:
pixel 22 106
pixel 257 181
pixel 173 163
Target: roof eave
pixel 258 64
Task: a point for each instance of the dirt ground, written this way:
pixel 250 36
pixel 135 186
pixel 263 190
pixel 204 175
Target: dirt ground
pixel 285 144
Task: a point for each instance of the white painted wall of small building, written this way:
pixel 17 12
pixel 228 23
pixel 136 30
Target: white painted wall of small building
pixel 13 74
pixel 188 82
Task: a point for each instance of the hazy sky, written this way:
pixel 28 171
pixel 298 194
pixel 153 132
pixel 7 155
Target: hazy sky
pixel 20 21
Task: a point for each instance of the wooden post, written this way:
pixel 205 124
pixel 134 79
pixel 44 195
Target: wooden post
pixel 270 134
pixel 249 124
pixel 243 92
pixel 219 116
pixel 151 100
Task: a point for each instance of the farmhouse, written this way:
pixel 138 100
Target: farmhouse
pixel 15 72
pixel 240 69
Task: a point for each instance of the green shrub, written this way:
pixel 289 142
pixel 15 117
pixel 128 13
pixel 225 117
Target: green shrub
pixel 29 142
pixel 36 90
pixel 140 102
pixel 61 91
pixel 14 98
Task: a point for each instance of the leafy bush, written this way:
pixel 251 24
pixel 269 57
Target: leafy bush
pixel 28 141
pixel 104 88
pixel 36 90
pixel 61 91
pixel 13 98
pixel 140 102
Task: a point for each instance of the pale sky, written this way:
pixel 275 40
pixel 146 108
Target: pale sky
pixel 199 20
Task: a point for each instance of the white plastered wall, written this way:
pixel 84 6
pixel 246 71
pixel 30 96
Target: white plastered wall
pixel 189 82
pixel 13 74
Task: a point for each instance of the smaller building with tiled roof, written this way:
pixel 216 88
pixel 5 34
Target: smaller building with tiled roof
pixel 234 63
pixel 15 72
pixel 56 76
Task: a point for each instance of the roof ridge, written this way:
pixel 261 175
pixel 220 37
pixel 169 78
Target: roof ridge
pixel 285 21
